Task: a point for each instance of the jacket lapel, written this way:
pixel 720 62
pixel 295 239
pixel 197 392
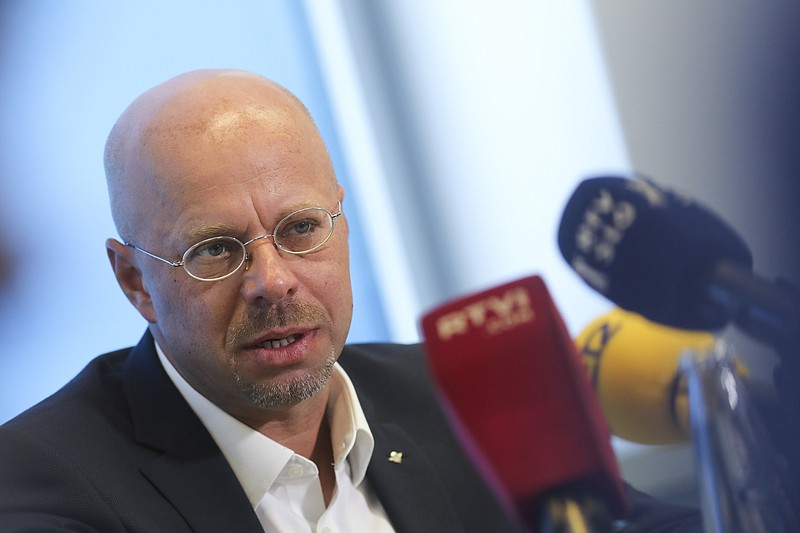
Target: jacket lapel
pixel 195 477
pixel 191 471
pixel 413 495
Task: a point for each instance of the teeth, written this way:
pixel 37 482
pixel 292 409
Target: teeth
pixel 278 343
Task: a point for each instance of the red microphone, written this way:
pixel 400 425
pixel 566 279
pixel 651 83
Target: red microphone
pixel 518 393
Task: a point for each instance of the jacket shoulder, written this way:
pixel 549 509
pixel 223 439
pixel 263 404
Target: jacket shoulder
pixel 98 383
pixel 386 371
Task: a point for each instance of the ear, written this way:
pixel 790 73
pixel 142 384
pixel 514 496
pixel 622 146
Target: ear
pixel 340 197
pixel 130 279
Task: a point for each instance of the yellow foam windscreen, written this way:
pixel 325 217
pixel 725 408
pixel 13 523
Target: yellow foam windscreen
pixel 633 364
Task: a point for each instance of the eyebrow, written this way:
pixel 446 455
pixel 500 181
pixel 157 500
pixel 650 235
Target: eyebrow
pixel 212 230
pixel 225 230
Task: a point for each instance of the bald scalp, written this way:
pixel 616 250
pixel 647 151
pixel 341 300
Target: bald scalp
pixel 216 103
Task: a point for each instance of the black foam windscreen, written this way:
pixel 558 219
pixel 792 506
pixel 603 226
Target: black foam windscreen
pixel 649 249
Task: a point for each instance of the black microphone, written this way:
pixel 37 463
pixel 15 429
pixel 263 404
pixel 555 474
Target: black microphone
pixel 660 254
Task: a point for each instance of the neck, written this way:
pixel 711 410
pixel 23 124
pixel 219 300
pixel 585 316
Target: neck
pixel 322 455
pixel 305 430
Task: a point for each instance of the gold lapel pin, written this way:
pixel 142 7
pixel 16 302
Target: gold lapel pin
pixel 396 457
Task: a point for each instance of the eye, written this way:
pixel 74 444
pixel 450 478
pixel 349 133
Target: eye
pixel 304 230
pixel 300 227
pixel 213 249
pixel 213 258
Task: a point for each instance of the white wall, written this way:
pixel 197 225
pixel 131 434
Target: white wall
pixel 487 116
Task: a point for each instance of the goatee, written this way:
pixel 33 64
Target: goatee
pixel 282 392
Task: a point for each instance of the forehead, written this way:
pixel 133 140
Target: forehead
pixel 243 165
pixel 233 124
pixel 217 127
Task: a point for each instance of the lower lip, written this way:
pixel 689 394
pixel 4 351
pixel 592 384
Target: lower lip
pixel 290 354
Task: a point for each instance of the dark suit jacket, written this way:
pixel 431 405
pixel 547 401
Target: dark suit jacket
pixel 118 449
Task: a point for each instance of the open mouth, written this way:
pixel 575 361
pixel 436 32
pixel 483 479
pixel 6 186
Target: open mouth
pixel 279 343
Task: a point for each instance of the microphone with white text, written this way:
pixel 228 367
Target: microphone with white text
pixel 664 256
pixel 634 364
pixel 516 392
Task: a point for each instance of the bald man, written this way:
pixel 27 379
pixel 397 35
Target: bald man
pixel 241 409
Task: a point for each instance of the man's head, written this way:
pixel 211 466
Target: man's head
pixel 228 153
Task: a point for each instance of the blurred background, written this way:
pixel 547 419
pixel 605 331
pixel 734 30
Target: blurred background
pixel 458 127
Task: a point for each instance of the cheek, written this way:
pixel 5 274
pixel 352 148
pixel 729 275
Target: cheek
pixel 331 287
pixel 188 308
pixel 340 296
pixel 340 293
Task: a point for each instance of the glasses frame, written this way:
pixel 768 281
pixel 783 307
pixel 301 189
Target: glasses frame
pixel 246 255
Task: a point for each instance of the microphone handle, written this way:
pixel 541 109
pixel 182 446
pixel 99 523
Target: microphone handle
pixel 571 513
pixel 767 312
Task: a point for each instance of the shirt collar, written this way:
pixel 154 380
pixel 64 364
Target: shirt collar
pixel 257 460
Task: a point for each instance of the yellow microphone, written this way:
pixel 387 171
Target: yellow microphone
pixel 634 366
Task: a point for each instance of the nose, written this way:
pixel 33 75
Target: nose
pixel 268 276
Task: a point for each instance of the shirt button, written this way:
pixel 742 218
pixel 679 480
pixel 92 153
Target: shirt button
pixel 295 470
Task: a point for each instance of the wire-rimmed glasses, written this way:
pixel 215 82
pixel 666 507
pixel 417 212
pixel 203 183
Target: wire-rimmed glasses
pixel 300 232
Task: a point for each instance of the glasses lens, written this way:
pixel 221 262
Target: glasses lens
pixel 304 230
pixel 214 258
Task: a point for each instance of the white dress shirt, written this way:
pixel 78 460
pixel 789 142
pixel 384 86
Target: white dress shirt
pixel 282 486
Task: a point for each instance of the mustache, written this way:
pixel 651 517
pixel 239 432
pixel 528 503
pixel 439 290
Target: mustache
pixel 284 314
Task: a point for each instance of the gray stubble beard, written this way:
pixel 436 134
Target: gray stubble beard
pixel 284 393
